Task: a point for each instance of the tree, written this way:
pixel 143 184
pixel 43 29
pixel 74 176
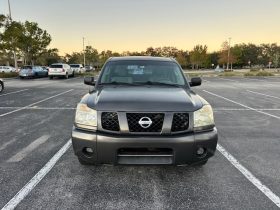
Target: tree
pixel 91 55
pixel 198 56
pixel 34 41
pixel 11 38
pixel 49 57
pixel 182 58
pixel 224 57
pixel 75 57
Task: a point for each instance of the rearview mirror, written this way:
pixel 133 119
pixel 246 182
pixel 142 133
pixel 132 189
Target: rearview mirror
pixel 89 81
pixel 195 81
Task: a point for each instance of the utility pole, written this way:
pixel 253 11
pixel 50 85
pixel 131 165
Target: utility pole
pixel 84 51
pixel 14 51
pixel 229 39
pixel 10 14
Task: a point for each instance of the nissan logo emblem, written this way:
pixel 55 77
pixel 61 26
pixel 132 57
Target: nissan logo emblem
pixel 145 122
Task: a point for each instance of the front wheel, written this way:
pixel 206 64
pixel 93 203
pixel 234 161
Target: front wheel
pixel 1 86
pixel 50 77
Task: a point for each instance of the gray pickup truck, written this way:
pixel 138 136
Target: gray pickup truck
pixel 142 110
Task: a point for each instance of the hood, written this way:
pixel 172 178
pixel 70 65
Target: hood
pixel 144 98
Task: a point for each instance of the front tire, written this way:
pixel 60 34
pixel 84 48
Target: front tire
pixel 50 77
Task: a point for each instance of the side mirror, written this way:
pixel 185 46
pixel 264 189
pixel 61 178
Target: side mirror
pixel 89 81
pixel 195 81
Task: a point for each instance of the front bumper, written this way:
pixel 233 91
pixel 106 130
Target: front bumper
pixel 57 73
pixel 106 147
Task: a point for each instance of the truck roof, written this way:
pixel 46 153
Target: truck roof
pixel 129 58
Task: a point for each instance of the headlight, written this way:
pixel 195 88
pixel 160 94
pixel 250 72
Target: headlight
pixel 85 117
pixel 203 118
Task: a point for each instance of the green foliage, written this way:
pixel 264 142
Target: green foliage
pixel 8 74
pixel 259 74
pixel 264 74
pixel 26 39
pixel 198 56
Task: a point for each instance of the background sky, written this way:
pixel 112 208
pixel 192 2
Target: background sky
pixel 134 25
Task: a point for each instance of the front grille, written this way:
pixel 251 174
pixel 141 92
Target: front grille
pixel 180 122
pixel 155 127
pixel 110 121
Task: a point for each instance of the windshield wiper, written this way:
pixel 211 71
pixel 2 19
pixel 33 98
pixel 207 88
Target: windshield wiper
pixel 159 83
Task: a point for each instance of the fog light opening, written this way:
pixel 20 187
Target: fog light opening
pixel 201 152
pixel 88 151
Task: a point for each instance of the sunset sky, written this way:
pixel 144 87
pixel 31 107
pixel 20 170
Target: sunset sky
pixel 134 25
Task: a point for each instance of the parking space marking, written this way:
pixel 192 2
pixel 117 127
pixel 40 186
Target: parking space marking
pixel 259 111
pixel 13 92
pixel 37 178
pixel 39 108
pixel 25 151
pixel 241 109
pixel 30 105
pixel 263 94
pixel 254 180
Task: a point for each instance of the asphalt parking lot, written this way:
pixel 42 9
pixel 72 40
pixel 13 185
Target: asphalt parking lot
pixel 36 118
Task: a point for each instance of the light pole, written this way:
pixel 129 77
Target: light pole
pixel 229 39
pixel 84 51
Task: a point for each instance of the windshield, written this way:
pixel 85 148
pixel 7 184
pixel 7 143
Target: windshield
pixel 146 72
pixel 27 67
pixel 56 66
pixel 75 65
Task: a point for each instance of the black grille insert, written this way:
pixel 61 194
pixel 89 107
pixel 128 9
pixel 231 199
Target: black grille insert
pixel 180 122
pixel 110 121
pixel 155 127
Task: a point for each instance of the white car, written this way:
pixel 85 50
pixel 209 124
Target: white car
pixel 60 70
pixel 7 69
pixel 78 68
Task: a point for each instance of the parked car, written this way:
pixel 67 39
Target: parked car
pixel 143 111
pixel 89 68
pixel 46 68
pixel 7 69
pixel 1 85
pixel 60 70
pixel 32 72
pixel 78 68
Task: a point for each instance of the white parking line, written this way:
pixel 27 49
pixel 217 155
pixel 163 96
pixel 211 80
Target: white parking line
pixel 25 151
pixel 35 103
pixel 39 108
pixel 13 92
pixel 37 178
pixel 231 109
pixel 255 181
pixel 265 113
pixel 263 94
